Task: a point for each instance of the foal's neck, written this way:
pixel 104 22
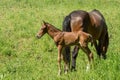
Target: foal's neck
pixel 53 31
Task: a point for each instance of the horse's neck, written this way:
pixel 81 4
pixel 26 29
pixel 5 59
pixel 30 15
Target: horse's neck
pixel 52 32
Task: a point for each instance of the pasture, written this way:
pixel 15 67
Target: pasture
pixel 24 57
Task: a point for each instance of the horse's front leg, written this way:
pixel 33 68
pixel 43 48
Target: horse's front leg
pixel 90 56
pixel 59 58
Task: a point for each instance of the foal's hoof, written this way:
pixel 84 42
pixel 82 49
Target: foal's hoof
pixel 65 71
pixel 59 73
pixel 87 68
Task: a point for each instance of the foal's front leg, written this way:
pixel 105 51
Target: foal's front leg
pixel 59 58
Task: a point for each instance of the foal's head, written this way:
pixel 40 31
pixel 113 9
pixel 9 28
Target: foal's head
pixel 43 30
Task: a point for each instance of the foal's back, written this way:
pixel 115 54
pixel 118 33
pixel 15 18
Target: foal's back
pixel 74 38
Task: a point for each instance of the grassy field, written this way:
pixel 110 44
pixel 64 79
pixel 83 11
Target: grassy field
pixel 23 57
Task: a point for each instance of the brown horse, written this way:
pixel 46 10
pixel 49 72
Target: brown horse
pixel 63 39
pixel 90 22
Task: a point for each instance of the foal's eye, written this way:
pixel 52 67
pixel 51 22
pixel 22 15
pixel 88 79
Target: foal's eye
pixel 42 28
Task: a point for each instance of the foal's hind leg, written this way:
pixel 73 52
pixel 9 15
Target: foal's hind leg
pixel 74 56
pixel 89 55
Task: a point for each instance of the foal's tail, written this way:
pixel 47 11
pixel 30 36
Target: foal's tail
pixel 66 24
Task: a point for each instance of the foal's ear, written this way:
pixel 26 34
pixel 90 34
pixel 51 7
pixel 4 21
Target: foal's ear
pixel 44 22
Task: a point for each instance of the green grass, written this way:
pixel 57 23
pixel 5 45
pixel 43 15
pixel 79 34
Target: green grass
pixel 23 57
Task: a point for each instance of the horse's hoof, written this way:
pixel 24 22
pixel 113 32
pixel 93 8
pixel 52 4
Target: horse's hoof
pixel 73 69
pixel 104 56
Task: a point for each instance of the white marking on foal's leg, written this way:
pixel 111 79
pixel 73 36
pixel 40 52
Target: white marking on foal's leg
pixel 59 72
pixel 88 67
pixel 66 68
pixel 66 71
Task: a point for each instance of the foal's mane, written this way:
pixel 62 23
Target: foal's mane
pixel 53 27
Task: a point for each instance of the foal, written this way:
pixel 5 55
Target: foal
pixel 63 39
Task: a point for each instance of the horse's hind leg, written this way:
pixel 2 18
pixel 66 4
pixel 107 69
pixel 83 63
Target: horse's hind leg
pixel 66 63
pixel 74 56
pixel 67 56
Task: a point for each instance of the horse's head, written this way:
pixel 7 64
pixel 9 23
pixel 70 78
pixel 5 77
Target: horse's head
pixel 43 30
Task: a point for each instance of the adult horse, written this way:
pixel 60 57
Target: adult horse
pixel 91 22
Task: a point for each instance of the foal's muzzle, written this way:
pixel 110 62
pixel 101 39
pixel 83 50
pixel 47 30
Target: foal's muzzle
pixel 37 36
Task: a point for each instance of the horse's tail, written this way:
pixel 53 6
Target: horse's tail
pixel 66 27
pixel 66 24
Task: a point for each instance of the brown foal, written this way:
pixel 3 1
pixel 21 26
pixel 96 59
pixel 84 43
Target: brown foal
pixel 63 39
